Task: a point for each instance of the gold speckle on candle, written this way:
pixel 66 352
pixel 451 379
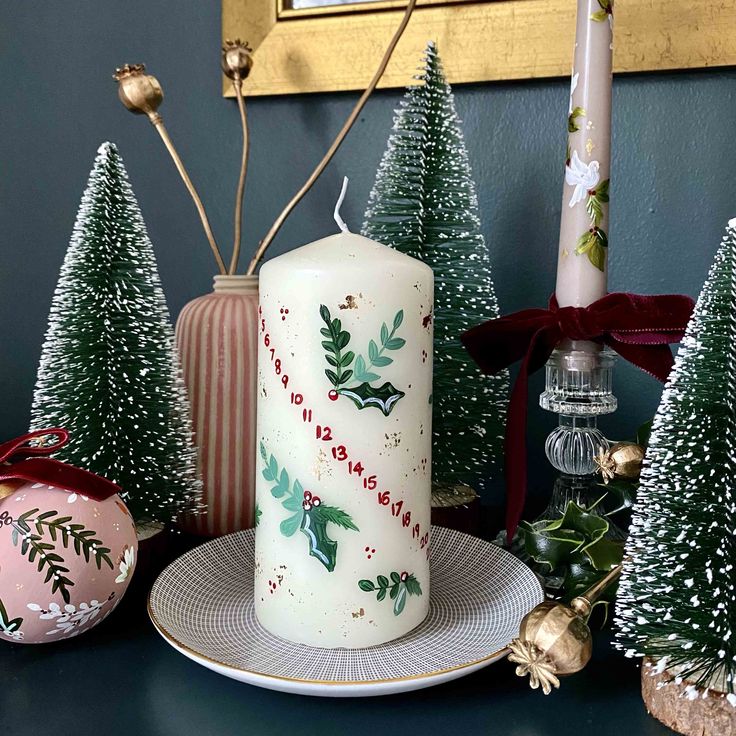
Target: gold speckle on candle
pixel 359 614
pixel 589 146
pixel 565 253
pixel 351 302
pixel 321 466
pixel 589 125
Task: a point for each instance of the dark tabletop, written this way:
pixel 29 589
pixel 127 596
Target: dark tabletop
pixel 122 678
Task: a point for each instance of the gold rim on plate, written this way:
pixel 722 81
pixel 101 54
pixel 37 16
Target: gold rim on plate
pixel 179 645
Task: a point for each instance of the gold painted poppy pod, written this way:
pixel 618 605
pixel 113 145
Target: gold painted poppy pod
pixel 622 460
pixel 554 639
pixel 237 59
pixel 141 93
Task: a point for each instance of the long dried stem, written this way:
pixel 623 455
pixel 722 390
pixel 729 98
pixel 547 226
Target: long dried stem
pixel 238 85
pixel 158 123
pixel 335 144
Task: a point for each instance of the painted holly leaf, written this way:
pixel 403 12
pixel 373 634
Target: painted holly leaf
pixel 593 243
pixel 572 125
pixel 366 585
pixel 596 199
pixel 398 319
pixel 599 16
pixel 314 527
pixel 258 515
pixel 384 398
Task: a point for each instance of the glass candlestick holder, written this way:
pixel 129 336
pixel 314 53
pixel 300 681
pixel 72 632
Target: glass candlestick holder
pixel 578 387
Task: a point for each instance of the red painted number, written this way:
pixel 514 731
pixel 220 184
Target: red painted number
pixel 384 498
pixel 323 433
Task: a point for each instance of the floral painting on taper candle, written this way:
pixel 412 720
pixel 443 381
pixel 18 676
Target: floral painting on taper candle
pixel 583 249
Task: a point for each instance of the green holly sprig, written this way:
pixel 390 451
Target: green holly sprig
pixel 594 242
pixel 399 587
pixel 308 514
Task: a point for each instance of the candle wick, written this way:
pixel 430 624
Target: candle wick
pixel 338 219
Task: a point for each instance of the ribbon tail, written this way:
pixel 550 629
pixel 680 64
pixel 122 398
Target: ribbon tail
pixel 540 347
pixel 515 451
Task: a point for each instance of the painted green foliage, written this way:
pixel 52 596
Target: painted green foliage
pixel 572 125
pixel 351 374
pixel 308 514
pixel 606 11
pixel 594 242
pixel 10 626
pixel 31 532
pixel 399 587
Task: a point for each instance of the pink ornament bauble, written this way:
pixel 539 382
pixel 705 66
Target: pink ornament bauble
pixel 65 561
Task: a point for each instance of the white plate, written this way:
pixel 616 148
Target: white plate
pixel 202 604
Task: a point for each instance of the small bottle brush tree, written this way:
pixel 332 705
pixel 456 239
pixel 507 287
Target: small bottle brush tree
pixel 677 601
pixel 109 370
pixel 425 205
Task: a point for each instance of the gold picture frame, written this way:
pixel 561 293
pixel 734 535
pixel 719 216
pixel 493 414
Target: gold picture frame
pixel 337 48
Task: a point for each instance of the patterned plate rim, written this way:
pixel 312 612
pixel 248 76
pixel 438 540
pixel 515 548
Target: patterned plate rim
pixel 489 658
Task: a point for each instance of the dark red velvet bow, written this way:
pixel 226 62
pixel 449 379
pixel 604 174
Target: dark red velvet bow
pixel 30 465
pixel 638 328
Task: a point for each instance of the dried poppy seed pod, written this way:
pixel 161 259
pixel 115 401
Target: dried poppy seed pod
pixel 237 59
pixel 622 460
pixel 553 640
pixel 139 92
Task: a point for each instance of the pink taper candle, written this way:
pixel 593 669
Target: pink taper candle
pixel 583 254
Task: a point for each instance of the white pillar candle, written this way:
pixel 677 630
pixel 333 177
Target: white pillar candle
pixel 583 251
pixel 344 427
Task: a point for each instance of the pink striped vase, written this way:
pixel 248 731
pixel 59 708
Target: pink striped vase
pixel 217 338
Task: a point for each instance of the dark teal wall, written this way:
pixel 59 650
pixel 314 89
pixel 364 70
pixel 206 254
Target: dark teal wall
pixel 674 170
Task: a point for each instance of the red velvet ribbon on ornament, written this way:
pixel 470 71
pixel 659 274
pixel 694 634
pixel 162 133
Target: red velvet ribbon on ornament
pixel 20 460
pixel 639 328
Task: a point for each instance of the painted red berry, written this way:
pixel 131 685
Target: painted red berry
pixel 307 496
pixel 316 501
pixel 333 395
pixel 404 576
pixel 306 505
